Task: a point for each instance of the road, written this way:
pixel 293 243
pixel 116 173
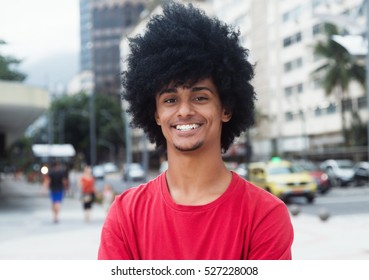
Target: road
pixel 338 201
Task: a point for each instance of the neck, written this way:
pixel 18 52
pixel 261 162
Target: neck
pixel 195 178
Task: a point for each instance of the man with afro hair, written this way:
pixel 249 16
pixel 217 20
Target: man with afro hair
pixel 188 87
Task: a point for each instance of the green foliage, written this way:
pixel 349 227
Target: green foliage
pixel 338 70
pixel 7 65
pixel 71 122
pixel 19 154
pixel 339 67
pixel 357 134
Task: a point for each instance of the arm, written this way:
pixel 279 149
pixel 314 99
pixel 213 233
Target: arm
pixel 112 245
pixel 272 236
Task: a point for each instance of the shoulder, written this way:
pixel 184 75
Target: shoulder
pixel 257 195
pixel 256 202
pixel 140 195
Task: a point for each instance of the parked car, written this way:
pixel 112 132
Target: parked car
pixel 320 177
pixel 134 172
pixel 340 171
pixel 110 167
pixel 283 179
pixel 361 173
pixel 241 169
pixel 98 172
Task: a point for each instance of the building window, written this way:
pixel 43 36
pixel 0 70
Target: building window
pixel 292 65
pixel 293 14
pixel 347 105
pixel 287 41
pixel 331 109
pixel 300 88
pixel 289 116
pixel 288 91
pixel 318 112
pixel 287 67
pixel 318 29
pixel 362 102
pixel 295 38
pixel 295 89
pixel 317 83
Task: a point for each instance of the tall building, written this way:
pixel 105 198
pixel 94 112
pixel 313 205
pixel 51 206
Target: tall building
pixel 295 115
pixel 102 25
pixel 85 8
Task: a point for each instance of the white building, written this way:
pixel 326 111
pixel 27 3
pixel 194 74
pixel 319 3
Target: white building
pixel 296 117
pixel 83 81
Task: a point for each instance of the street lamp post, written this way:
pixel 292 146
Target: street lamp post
pixel 92 129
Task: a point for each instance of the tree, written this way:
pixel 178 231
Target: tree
pixel 19 154
pixel 339 69
pixel 358 131
pixel 7 65
pixel 70 118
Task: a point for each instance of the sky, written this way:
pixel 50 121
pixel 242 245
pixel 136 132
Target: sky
pixel 36 30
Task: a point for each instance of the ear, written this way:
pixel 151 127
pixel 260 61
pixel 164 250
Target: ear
pixel 226 115
pixel 157 119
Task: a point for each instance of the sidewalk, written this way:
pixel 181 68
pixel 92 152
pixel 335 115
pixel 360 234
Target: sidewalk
pixel 344 237
pixel 27 230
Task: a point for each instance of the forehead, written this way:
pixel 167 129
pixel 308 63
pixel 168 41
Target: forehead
pixel 206 82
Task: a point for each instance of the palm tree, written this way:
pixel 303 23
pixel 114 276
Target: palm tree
pixel 339 69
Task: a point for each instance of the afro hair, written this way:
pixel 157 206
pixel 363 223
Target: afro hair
pixel 184 45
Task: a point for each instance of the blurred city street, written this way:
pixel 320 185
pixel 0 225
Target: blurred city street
pixel 27 230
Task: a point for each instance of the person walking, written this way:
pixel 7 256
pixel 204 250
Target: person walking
pixel 188 87
pixel 107 196
pixel 88 191
pixel 56 180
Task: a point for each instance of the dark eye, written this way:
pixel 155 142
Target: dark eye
pixel 200 98
pixel 169 100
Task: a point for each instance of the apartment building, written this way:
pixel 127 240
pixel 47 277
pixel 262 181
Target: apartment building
pixel 295 117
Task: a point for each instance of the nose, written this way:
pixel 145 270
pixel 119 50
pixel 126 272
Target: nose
pixel 185 108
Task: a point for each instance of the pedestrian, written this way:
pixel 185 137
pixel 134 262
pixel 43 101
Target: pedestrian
pixel 88 191
pixel 107 196
pixel 188 86
pixel 56 180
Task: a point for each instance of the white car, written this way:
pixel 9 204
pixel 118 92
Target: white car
pixel 98 172
pixel 110 167
pixel 134 172
pixel 339 171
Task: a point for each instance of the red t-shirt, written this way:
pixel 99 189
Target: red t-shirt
pixel 245 222
pixel 88 184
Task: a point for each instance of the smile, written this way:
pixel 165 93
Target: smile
pixel 187 127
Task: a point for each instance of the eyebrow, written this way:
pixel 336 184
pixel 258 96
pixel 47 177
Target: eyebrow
pixel 193 89
pixel 200 88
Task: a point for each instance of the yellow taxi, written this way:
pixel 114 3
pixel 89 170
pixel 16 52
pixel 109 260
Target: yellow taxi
pixel 283 179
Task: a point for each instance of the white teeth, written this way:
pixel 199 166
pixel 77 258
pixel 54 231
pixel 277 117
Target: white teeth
pixel 186 127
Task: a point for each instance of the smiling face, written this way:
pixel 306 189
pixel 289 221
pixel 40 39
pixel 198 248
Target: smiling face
pixel 191 117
